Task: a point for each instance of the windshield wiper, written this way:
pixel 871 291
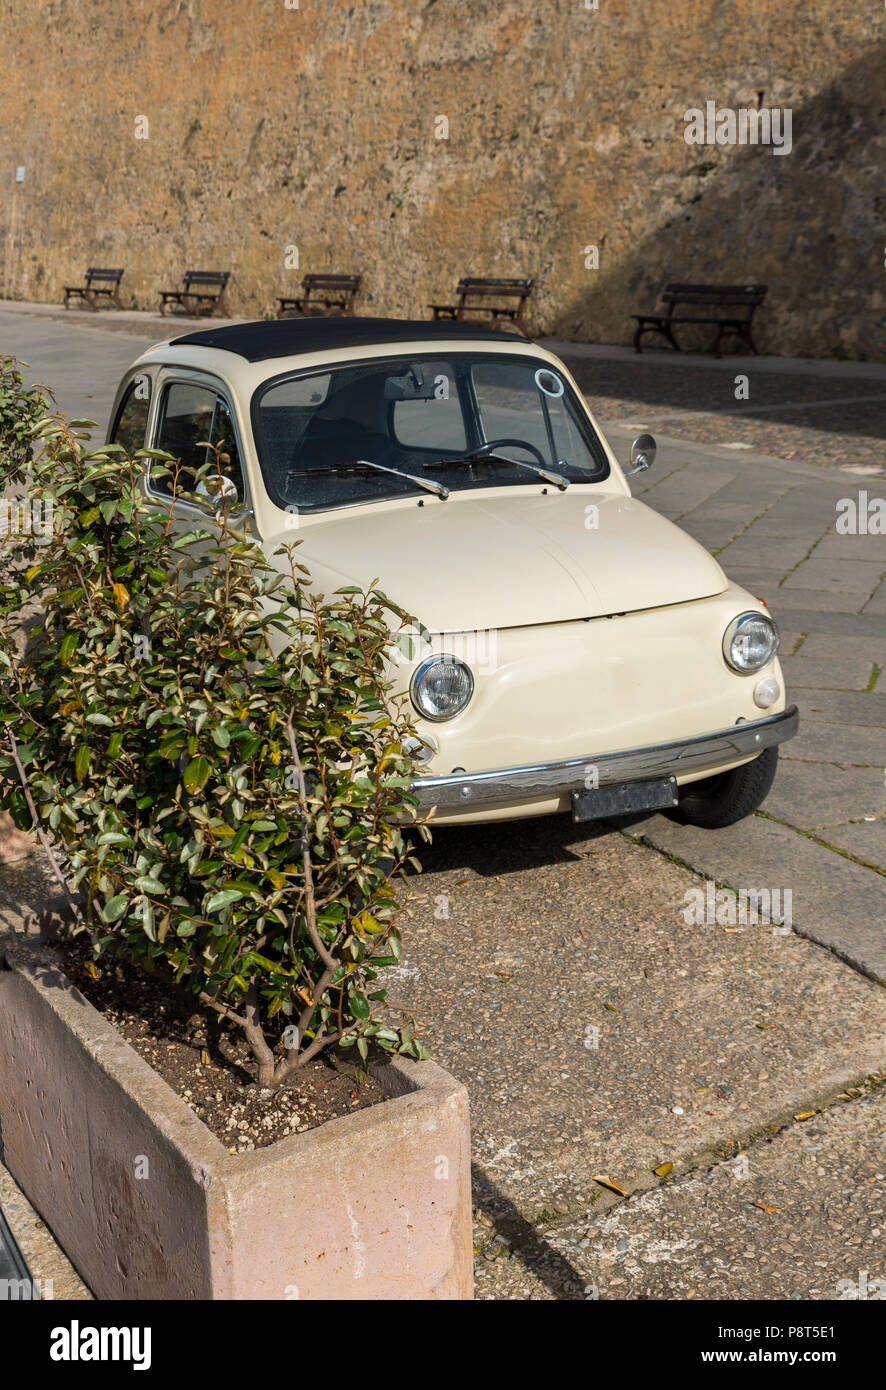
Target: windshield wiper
pixel 480 457
pixel 360 465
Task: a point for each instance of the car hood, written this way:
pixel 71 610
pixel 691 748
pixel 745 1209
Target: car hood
pixel 474 563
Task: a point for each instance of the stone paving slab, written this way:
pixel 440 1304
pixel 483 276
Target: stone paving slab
pixel 853 548
pixel 860 577
pixel 751 550
pixel 819 795
pixel 852 744
pixel 852 623
pixel 819 664
pixel 864 840
pixel 877 602
pixel 682 489
pixel 821 600
pixel 798 1215
pixel 828 706
pixel 836 902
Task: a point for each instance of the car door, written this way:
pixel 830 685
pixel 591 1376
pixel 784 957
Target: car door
pixel 193 413
pixel 131 415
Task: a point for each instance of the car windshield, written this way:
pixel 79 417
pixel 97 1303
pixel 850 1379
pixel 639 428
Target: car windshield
pixel 451 424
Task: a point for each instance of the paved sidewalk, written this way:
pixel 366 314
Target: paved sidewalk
pixel 601 1037
pixel 797 1215
pixel 78 356
pixel 822 832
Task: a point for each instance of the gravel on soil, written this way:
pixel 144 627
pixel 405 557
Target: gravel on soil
pixel 206 1060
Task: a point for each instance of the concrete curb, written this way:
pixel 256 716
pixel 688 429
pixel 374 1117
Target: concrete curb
pixel 147 1203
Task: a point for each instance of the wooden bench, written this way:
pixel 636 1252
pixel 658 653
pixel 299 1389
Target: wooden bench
pixel 100 284
pixel 743 298
pixel 322 295
pixel 202 292
pixel 484 288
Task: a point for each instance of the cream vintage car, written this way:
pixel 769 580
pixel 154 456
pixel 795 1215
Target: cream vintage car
pixel 585 655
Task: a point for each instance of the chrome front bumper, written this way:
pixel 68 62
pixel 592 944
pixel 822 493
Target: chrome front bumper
pixel 544 781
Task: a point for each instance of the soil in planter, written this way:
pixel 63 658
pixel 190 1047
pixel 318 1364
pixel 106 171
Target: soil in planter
pixel 206 1060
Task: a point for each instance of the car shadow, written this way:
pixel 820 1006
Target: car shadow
pixel 503 847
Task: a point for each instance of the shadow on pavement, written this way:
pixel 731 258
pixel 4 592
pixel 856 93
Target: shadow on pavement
pixel 527 1242
pixel 507 846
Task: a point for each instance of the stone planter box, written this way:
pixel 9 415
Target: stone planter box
pixel 148 1204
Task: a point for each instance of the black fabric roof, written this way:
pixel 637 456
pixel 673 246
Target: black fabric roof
pixel 287 337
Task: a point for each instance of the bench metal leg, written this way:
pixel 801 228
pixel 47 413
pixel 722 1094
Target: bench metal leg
pixel 663 328
pixel 738 330
pixel 749 339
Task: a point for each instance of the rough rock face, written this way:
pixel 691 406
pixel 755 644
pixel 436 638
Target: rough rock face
pixel 316 127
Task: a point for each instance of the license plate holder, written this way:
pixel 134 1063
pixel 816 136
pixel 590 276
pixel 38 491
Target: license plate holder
pixel 625 798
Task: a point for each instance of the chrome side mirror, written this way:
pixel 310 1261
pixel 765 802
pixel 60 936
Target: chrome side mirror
pixel 642 454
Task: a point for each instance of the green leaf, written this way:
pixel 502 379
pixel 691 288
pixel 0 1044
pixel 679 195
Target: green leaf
pixel 148 884
pixel 197 774
pixel 114 909
pixel 358 1004
pixel 221 900
pixel 81 761
pixel 68 647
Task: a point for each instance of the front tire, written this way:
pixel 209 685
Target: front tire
pixel 729 796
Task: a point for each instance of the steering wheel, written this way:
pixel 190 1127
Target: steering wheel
pixel 493 444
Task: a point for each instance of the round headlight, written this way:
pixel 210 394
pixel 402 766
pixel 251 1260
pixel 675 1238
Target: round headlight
pixel 441 687
pixel 750 642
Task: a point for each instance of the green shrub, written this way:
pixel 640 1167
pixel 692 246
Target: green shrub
pixel 213 755
pixel 21 408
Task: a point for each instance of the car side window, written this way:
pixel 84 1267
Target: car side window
pixel 225 440
pixel 132 417
pixel 191 418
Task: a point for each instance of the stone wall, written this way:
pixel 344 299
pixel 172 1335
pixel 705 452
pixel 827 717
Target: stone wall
pixel 270 127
